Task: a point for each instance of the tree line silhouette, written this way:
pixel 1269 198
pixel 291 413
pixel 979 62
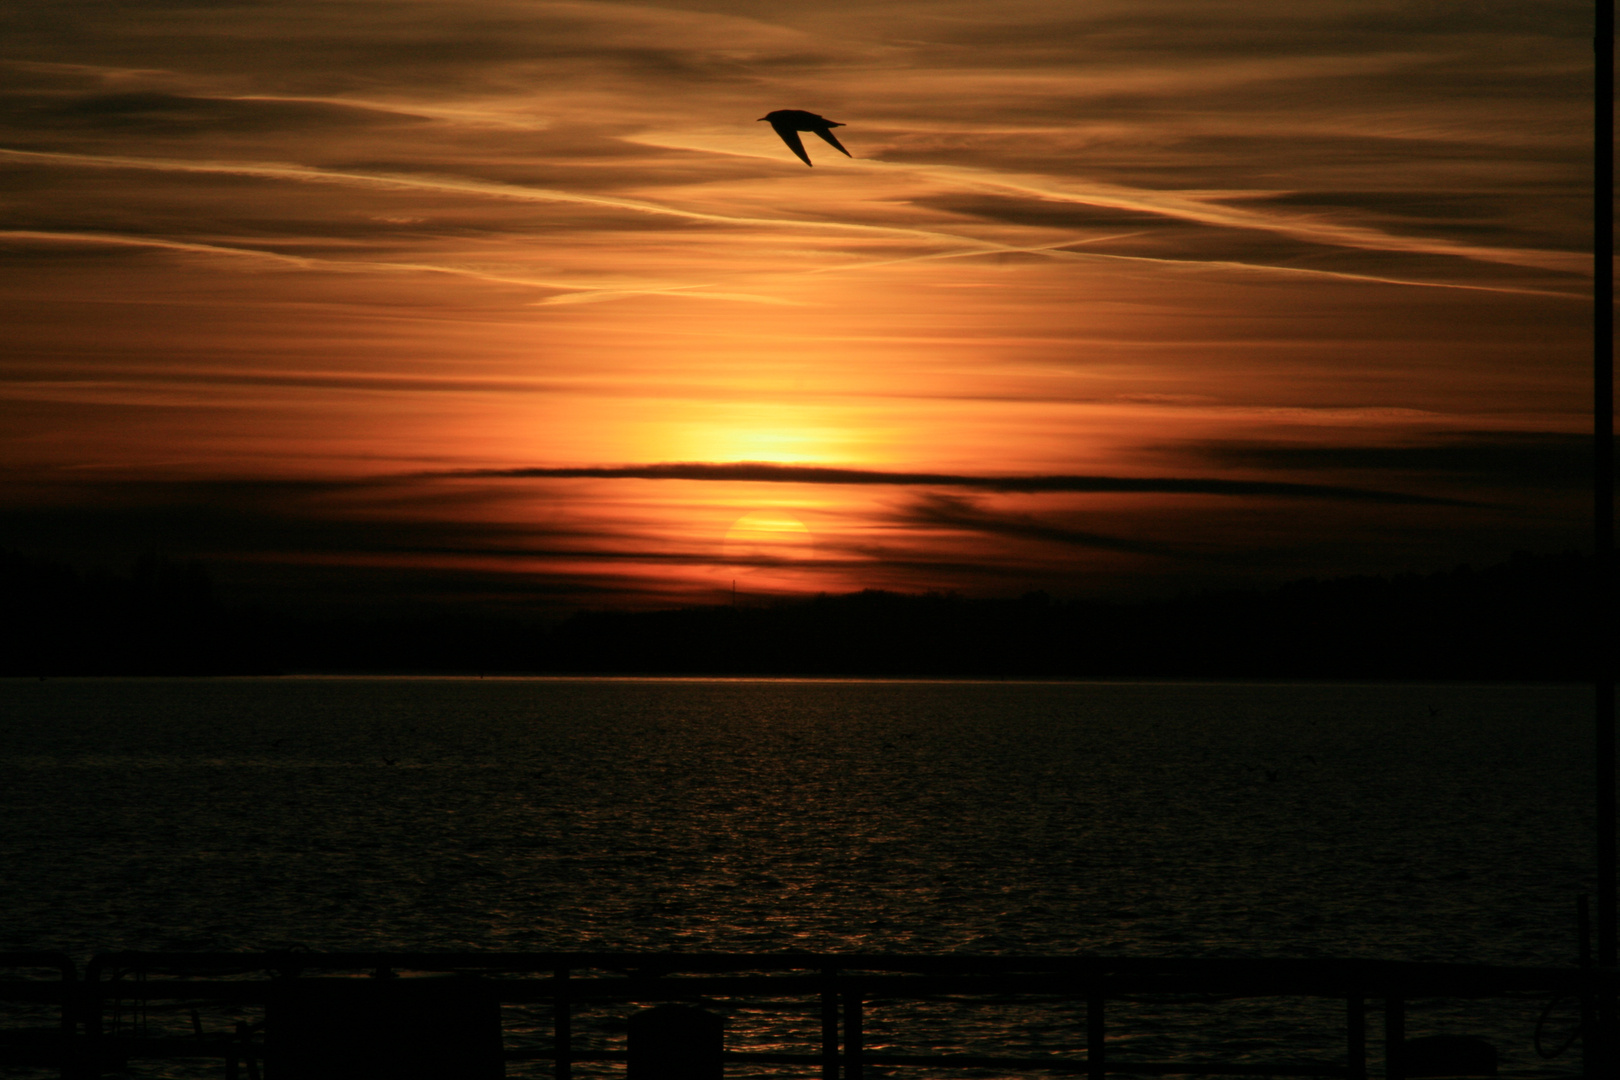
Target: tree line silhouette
pixel 1523 619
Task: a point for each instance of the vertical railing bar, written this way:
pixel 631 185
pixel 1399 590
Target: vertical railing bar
pixel 562 1033
pixel 235 1059
pixel 1394 1038
pixel 70 997
pixel 90 1003
pixel 70 1010
pixel 1591 1066
pixel 1356 1031
pixel 853 1067
pixel 1096 1054
pixel 829 1025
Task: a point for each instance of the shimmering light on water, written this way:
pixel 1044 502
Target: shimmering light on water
pixel 1403 822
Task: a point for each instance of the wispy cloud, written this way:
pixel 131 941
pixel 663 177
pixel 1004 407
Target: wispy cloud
pixel 1043 201
pixel 1551 458
pixel 571 292
pixel 164 243
pixel 469 186
pixel 954 512
pixel 1099 279
pixel 1141 205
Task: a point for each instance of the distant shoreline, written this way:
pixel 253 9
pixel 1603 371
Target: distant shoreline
pixel 1521 621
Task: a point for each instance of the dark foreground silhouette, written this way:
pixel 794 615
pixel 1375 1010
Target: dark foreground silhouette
pixel 438 1016
pixel 1521 620
pixel 789 122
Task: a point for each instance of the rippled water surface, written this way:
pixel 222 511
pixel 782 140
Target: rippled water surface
pixel 1403 822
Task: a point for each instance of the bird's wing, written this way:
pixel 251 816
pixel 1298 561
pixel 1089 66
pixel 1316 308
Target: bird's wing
pixel 826 133
pixel 791 137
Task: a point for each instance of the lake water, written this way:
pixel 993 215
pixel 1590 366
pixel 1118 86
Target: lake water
pixel 1447 823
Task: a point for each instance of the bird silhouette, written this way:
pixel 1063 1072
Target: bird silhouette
pixel 789 122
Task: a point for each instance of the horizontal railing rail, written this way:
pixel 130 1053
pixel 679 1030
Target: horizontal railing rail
pixel 1332 973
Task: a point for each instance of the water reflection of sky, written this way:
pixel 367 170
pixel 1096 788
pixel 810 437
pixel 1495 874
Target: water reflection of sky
pixel 1398 822
pixel 754 816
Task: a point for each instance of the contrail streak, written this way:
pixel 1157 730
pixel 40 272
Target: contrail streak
pixel 462 185
pixel 1197 210
pixel 1168 206
pixel 573 292
pixel 1186 208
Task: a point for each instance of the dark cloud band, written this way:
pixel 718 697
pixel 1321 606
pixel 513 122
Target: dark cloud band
pixel 762 472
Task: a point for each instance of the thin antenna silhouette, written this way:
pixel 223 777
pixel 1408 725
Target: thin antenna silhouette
pixel 1603 1046
pixel 1603 472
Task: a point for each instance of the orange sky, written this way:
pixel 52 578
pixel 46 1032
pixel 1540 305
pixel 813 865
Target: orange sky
pixel 410 299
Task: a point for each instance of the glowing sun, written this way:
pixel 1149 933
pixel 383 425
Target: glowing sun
pixel 768 536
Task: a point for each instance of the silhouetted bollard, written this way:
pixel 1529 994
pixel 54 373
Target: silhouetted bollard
pixel 402 1029
pixel 676 1042
pixel 1448 1055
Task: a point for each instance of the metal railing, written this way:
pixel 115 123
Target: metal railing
pixel 94 1032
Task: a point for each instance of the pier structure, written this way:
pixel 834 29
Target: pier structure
pixel 312 1015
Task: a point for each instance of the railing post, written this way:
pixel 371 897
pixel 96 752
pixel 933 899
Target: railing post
pixel 1394 1038
pixel 1355 1065
pixel 829 1025
pixel 70 997
pixel 1591 1051
pixel 853 1069
pixel 90 1003
pixel 248 1059
pixel 562 1028
pixel 70 1012
pixel 1096 1055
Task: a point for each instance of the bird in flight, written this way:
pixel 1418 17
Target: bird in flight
pixel 789 122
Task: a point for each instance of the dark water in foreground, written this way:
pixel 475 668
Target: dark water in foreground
pixel 1401 822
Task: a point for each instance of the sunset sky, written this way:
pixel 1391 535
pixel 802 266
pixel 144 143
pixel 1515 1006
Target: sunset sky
pixel 519 304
